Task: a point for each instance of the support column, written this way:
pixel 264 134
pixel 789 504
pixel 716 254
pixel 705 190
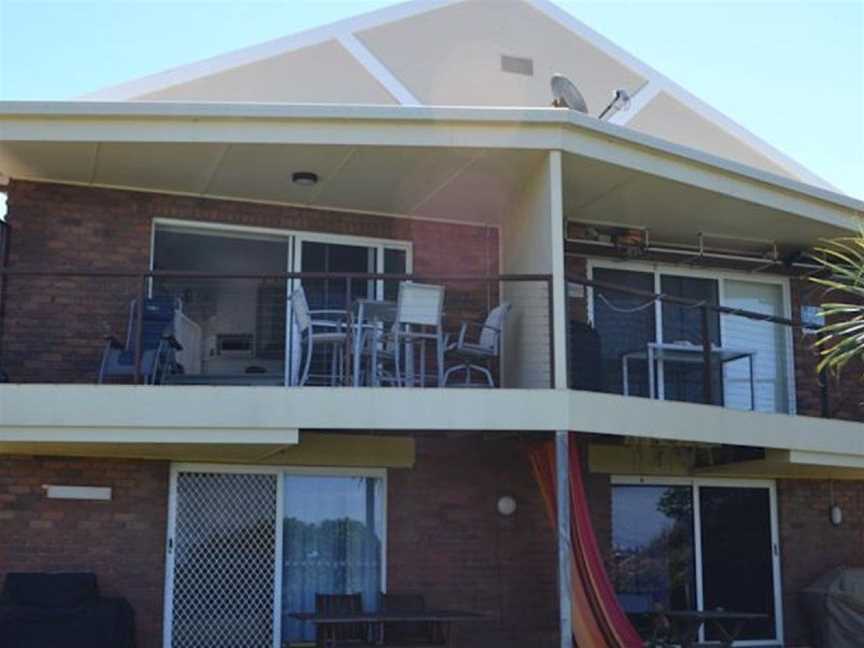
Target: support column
pixel 565 572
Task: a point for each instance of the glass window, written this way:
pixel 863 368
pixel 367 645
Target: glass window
pixel 332 544
pixel 769 341
pixel 625 323
pixel 652 551
pixel 395 262
pixel 654 558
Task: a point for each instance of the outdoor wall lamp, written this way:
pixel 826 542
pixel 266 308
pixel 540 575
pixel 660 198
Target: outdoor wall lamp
pixel 506 505
pixel 836 515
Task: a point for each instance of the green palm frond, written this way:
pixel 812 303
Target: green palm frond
pixel 841 338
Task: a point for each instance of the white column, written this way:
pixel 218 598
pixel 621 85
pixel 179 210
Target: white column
pixel 559 294
pixel 565 573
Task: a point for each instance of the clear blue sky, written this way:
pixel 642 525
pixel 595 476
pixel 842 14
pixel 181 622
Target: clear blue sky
pixel 792 72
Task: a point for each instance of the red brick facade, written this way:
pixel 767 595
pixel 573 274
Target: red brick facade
pixel 122 540
pixel 54 329
pixel 445 537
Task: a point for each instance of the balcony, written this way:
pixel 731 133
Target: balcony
pixel 246 329
pixel 687 335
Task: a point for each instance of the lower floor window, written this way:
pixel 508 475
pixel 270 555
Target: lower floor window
pixel 696 545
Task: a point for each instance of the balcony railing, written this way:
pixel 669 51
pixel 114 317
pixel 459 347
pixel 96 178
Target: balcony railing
pixel 70 326
pixel 686 345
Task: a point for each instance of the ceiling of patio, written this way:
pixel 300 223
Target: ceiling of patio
pixel 474 185
pixel 675 212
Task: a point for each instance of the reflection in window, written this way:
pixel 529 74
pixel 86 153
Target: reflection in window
pixel 333 536
pixel 652 558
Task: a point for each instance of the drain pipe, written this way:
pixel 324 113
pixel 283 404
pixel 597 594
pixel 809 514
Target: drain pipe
pixel 565 567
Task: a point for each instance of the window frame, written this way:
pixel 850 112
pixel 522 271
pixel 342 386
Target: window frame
pixel 721 276
pixel 695 483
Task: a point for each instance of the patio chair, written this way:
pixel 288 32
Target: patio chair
pixel 339 634
pixel 479 354
pixel 409 633
pixel 315 329
pixel 419 313
pixel 158 344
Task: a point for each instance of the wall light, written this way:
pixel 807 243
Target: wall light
pixel 506 505
pixel 836 515
pixel 304 178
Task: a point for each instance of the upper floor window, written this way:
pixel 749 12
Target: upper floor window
pixel 654 348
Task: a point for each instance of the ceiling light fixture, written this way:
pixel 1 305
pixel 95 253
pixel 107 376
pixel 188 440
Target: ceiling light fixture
pixel 304 178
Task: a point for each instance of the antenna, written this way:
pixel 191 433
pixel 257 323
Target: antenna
pixel 621 101
pixel 567 95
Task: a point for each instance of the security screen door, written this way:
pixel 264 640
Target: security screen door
pixel 248 546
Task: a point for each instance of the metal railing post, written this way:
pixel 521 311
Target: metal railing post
pixel 139 324
pixel 550 295
pixel 706 357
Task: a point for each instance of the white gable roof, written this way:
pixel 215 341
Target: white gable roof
pixel 447 52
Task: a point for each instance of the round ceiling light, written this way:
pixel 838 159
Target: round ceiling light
pixel 304 178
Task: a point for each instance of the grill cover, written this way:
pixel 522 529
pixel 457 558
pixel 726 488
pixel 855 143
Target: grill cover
pixel 835 606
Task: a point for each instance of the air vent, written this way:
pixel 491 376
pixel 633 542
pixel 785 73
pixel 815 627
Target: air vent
pixel 517 65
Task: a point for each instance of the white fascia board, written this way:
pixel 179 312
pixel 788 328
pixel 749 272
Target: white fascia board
pixel 378 70
pixel 245 56
pixel 364 125
pixel 677 91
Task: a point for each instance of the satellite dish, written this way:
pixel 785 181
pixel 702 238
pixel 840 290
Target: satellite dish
pixel 567 95
pixel 621 101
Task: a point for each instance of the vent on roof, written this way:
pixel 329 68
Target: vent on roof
pixel 517 65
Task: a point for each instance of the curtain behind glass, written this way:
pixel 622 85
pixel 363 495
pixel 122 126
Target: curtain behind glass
pixel 333 541
pixel 771 362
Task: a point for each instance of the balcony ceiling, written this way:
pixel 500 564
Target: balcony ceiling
pixel 675 212
pixel 462 184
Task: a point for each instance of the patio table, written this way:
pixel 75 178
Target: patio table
pixel 685 624
pixel 368 315
pixel 686 353
pixel 444 619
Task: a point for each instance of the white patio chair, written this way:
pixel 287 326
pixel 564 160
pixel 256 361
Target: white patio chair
pixel 479 355
pixel 419 312
pixel 334 335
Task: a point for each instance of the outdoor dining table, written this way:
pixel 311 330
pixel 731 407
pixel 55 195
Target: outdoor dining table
pixel 443 619
pixel 685 624
pixel 367 316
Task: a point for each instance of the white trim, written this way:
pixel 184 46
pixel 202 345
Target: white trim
pixel 378 70
pixel 640 100
pixel 678 93
pixel 695 483
pixel 219 63
pixel 171 527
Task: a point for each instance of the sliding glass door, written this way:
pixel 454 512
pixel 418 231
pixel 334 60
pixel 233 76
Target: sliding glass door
pixel 760 375
pixel 249 546
pixel 697 545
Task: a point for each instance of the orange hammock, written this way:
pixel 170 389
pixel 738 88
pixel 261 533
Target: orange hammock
pixel 598 620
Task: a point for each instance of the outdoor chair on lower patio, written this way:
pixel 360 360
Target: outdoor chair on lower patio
pixel 340 634
pixel 158 344
pixel 479 354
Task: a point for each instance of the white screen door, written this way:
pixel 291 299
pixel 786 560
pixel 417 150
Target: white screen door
pixel 222 581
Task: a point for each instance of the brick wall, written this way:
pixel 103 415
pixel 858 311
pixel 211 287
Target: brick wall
pixel 811 545
pixel 446 538
pixel 121 540
pixel 448 541
pixel 53 329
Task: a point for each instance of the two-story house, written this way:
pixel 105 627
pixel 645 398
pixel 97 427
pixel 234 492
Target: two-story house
pixel 176 420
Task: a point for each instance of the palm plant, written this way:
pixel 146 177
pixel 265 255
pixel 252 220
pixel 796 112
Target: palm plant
pixel 841 338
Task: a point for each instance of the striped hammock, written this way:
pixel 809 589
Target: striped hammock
pixel 598 620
